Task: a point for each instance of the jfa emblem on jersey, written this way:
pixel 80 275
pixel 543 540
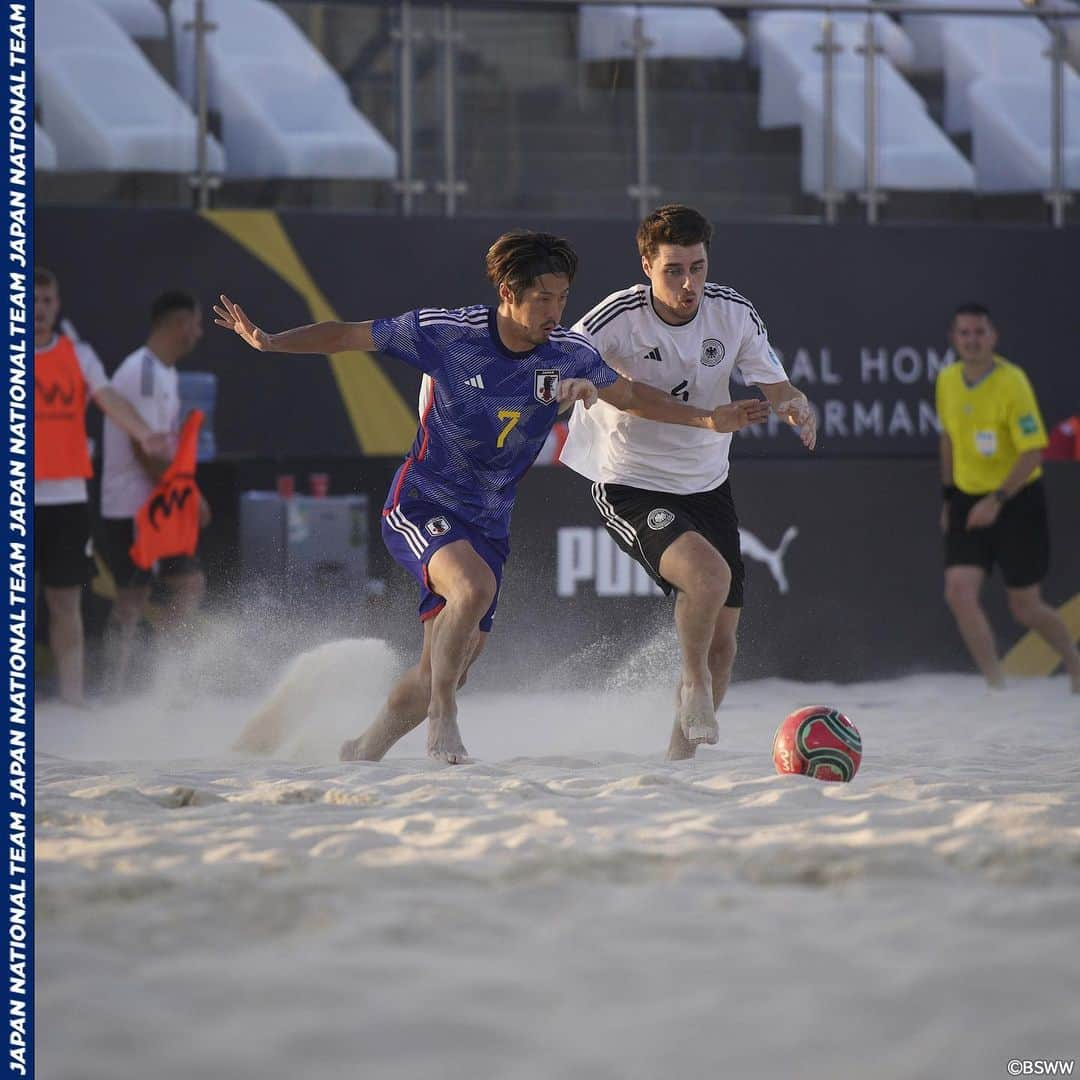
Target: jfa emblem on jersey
pixel 438 526
pixel 546 385
pixel 660 518
pixel 712 352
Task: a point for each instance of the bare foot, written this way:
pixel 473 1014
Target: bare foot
pixel 444 741
pixel 697 718
pixel 679 749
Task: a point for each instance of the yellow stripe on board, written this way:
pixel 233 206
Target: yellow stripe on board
pixel 1032 656
pixel 382 422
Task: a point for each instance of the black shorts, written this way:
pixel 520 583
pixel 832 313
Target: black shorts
pixel 1019 541
pixel 645 523
pixel 62 545
pixel 117 535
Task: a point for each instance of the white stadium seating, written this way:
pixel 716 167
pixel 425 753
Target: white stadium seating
pixel 606 33
pixel 140 18
pixel 789 55
pixel 44 151
pixel 284 111
pixel 927 31
pixel 1011 136
pixel 850 26
pixel 913 154
pixel 103 104
pixel 999 49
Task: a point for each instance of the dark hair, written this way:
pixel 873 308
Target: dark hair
pixel 167 303
pixel 674 224
pixel 970 308
pixel 518 258
pixel 45 277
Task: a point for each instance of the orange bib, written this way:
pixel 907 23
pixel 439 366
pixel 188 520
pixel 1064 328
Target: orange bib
pixel 168 522
pixel 61 451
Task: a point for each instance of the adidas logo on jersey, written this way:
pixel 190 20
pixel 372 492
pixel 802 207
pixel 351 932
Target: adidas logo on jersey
pixel 654 354
pixel 477 381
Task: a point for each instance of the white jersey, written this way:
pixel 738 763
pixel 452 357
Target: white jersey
pixel 73 490
pixel 153 388
pixel 693 363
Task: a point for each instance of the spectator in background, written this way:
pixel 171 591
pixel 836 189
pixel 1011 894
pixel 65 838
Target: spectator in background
pixel 148 380
pixel 66 375
pixel 992 437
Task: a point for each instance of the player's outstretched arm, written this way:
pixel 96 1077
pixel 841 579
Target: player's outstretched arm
pixel 323 337
pixel 792 405
pixel 640 399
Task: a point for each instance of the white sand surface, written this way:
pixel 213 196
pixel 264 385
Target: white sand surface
pixel 569 906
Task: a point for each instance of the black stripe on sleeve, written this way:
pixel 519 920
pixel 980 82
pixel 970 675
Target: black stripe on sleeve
pixel 608 306
pixel 722 292
pixel 634 306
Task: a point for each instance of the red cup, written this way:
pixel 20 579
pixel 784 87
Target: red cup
pixel 286 485
pixel 319 484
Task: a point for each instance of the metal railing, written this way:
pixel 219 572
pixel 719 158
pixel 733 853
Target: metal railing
pixel 641 188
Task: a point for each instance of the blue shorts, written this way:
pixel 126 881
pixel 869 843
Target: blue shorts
pixel 414 530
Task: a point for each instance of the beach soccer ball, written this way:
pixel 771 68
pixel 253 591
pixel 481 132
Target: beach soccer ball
pixel 817 741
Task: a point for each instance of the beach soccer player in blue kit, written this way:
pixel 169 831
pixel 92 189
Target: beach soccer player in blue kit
pixel 494 382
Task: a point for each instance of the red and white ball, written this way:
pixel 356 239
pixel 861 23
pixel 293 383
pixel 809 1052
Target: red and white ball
pixel 817 741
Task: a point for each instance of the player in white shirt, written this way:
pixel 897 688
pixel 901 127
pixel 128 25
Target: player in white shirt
pixel 148 380
pixel 663 490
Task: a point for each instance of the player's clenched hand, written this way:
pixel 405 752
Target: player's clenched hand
pixel 571 390
pixel 739 414
pixel 232 317
pixel 799 413
pixel 157 444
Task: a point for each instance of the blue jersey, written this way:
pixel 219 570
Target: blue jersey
pixel 485 412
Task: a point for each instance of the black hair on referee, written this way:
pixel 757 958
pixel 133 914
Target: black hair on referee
pixel 674 224
pixel 169 302
pixel 518 258
pixel 971 308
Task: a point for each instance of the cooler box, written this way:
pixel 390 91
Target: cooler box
pixel 303 548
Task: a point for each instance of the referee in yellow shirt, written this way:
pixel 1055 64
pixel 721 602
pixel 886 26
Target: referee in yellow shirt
pixel 995 507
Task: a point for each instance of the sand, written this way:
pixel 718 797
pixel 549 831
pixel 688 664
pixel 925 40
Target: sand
pixel 568 906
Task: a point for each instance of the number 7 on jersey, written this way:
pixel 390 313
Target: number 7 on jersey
pixel 511 416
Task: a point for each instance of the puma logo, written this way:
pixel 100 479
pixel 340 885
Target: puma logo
pixel 774 560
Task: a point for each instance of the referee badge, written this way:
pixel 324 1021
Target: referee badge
pixel 712 352
pixel 545 385
pixel 660 518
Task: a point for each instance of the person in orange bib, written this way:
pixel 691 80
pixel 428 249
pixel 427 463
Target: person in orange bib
pixel 148 379
pixel 67 375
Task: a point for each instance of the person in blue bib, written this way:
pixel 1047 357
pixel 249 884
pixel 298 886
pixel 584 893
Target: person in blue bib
pixel 494 382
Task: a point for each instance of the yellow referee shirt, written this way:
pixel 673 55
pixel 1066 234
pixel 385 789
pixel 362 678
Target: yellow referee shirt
pixel 990 424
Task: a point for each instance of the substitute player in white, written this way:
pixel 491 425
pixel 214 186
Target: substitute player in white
pixel 663 491
pixel 148 380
